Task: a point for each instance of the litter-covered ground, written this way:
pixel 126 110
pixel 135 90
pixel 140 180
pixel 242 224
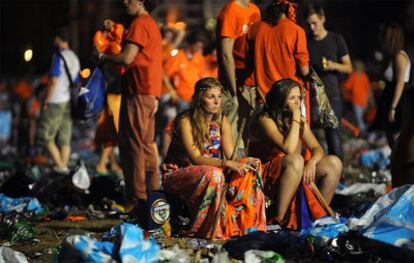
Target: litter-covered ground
pixel 80 217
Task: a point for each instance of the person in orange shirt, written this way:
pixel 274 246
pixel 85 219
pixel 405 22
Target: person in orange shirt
pixel 172 37
pixel 277 47
pixel 233 23
pixel 141 89
pixel 211 64
pixel 357 89
pixel 184 70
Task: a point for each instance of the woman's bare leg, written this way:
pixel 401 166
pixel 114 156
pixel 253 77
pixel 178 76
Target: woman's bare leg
pixel 287 185
pixel 328 173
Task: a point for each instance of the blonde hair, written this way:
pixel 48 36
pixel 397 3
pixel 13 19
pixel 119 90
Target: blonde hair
pixel 196 115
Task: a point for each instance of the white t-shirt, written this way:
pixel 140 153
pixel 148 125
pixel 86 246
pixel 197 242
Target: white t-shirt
pixel 389 72
pixel 62 92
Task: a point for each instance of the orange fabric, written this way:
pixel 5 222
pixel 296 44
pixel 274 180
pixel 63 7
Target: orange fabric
pixel 272 168
pixel 109 42
pixel 357 88
pixel 370 114
pixel 108 122
pixel 355 130
pixel 35 107
pixel 143 76
pixel 23 89
pixel 114 104
pixel 166 51
pixel 234 22
pixel 291 8
pixel 248 217
pixel 75 218
pixel 184 72
pixel 211 66
pixel 276 51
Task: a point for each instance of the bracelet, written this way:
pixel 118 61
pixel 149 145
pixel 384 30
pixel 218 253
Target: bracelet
pixel 222 164
pixel 296 121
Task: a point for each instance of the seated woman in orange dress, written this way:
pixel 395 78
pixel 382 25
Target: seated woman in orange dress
pixel 197 161
pixel 281 132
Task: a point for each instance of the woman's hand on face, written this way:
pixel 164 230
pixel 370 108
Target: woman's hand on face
pixel 295 109
pixel 240 168
pixel 309 172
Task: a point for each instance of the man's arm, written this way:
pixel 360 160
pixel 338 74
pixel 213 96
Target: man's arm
pixel 51 86
pixel 344 67
pixel 304 70
pixel 125 57
pixel 228 62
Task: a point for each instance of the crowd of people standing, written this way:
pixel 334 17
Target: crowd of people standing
pixel 233 128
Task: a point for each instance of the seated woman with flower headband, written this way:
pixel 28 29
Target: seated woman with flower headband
pixel 280 131
pixel 195 167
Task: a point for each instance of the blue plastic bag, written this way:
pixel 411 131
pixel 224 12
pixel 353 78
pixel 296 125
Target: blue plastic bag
pixel 90 99
pixel 9 205
pixel 124 243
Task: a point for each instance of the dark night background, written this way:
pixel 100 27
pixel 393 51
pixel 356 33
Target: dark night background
pixel 32 23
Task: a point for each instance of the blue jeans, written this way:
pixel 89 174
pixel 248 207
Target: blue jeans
pixel 359 116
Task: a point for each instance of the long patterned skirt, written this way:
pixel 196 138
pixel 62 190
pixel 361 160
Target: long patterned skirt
pixel 201 186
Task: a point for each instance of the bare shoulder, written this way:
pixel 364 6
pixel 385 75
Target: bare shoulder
pixel 265 120
pixel 184 123
pixel 402 57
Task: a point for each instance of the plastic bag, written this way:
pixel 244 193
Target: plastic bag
pixel 390 219
pixel 90 100
pixel 80 178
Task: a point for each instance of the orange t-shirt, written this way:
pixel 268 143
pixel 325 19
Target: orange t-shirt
pixel 211 66
pixel 185 72
pixel 23 89
pixel 166 51
pixel 358 87
pixel 276 51
pixel 143 75
pixel 234 22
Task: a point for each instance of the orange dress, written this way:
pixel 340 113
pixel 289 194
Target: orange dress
pixel 304 207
